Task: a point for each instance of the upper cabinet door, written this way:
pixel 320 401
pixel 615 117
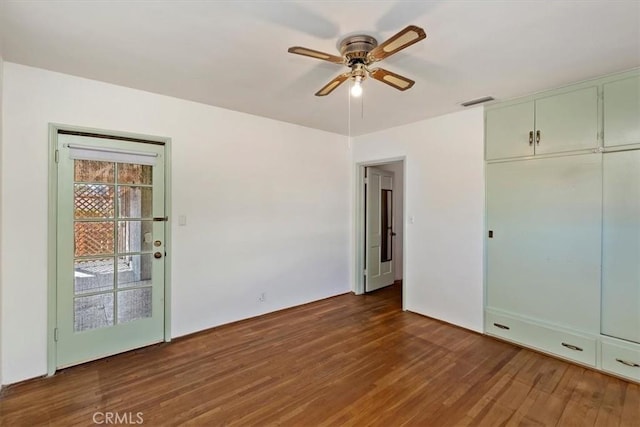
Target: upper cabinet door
pixel 508 131
pixel 567 122
pixel 622 112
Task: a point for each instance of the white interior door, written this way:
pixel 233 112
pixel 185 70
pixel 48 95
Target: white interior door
pixel 110 247
pixel 379 229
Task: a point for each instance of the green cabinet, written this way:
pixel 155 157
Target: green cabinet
pixel 557 123
pixel 621 245
pixel 622 112
pixel 562 269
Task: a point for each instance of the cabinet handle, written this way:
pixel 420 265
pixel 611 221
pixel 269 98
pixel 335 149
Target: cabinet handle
pixel 498 325
pixel 537 137
pixel 530 138
pixel 624 362
pixel 572 347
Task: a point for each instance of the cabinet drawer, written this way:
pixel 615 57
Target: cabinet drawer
pixel 572 346
pixel 509 328
pixel 621 359
pixel 565 344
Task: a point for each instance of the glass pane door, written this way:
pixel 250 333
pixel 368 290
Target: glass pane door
pixel 112 296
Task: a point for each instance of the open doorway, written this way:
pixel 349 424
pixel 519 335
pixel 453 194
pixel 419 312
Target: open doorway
pixel 380 226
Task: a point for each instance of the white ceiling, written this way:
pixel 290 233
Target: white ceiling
pixel 234 54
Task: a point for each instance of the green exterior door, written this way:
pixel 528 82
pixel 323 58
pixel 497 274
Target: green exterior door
pixel 110 251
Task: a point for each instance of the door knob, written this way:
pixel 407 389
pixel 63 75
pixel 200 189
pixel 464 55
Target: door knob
pixel 157 243
pixel 157 255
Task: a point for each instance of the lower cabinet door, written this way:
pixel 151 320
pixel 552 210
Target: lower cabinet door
pixel 621 359
pixel 566 344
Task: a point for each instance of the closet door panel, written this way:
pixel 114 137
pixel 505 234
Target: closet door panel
pixel 621 245
pixel 543 261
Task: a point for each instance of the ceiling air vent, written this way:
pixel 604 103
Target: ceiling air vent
pixel 477 101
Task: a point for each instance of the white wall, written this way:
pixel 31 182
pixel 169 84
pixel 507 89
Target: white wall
pixel 398 169
pixel 444 193
pixel 266 205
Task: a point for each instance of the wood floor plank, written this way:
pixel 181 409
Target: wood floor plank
pixel 345 361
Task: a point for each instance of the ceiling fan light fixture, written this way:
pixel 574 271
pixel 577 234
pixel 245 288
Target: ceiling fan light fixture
pixel 356 89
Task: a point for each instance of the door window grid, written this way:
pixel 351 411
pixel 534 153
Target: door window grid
pixel 107 230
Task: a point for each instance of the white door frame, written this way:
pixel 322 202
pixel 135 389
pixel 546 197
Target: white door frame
pixel 52 265
pixel 359 222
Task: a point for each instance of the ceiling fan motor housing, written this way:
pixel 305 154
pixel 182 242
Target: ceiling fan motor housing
pixel 356 48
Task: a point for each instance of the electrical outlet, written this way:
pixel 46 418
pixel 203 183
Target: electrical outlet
pixel 262 297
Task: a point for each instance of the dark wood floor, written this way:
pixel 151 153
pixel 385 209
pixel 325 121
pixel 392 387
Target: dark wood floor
pixel 348 360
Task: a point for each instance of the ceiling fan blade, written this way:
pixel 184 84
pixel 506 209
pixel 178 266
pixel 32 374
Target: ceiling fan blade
pixel 329 87
pixel 316 54
pixel 403 39
pixel 392 79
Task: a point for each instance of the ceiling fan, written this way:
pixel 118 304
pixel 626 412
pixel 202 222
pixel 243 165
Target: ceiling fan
pixel 359 52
